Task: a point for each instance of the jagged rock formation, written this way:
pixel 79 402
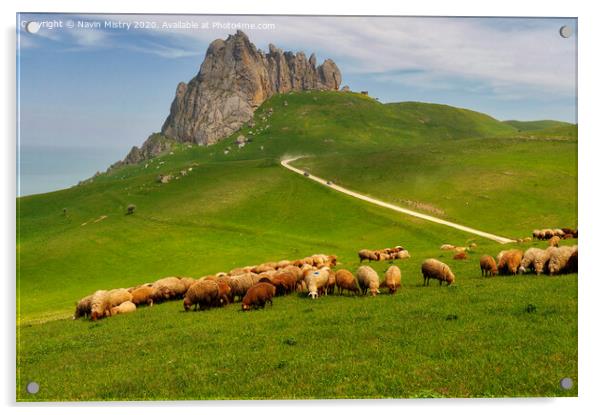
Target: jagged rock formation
pixel 235 78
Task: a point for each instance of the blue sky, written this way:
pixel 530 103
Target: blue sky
pixel 104 90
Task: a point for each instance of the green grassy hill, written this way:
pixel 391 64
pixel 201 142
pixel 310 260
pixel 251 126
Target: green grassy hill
pixel 238 206
pixel 536 125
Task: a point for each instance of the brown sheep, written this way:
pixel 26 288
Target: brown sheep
pixel 488 265
pixel 237 271
pixel 368 280
pixel 203 294
pixel 331 282
pixel 510 262
pixel 554 240
pixel 571 265
pixel 284 283
pixel 83 308
pixel 346 281
pixel 187 281
pixel 367 254
pixel 168 288
pixel 123 308
pixel 224 293
pixel 262 268
pixel 392 279
pixel 432 268
pixel 143 295
pixel 258 295
pixel 461 255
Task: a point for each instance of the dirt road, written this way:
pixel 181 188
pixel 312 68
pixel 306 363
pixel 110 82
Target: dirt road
pixel 500 239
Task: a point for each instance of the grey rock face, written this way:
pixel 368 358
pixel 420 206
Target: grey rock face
pixel 236 78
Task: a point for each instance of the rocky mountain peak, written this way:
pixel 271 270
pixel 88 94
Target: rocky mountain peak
pixel 235 78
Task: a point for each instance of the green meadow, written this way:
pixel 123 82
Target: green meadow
pixel 481 337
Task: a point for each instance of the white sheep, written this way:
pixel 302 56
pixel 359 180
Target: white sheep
pixel 368 279
pixel 316 281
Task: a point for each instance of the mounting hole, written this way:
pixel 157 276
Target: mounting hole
pixel 566 383
pixel 566 31
pixel 33 388
pixel 32 27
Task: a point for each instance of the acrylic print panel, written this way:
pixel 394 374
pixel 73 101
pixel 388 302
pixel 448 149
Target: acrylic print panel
pixel 295 207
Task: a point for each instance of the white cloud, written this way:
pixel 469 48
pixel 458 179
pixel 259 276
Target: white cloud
pixel 506 53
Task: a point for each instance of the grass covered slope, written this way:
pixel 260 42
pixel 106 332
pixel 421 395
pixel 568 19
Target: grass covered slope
pixel 237 206
pixel 479 338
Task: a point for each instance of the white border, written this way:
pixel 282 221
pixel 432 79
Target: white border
pixel 590 137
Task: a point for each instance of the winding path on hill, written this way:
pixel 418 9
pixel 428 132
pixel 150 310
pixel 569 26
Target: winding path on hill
pixel 496 238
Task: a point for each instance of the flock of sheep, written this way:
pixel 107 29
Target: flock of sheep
pixel 553 260
pixel 385 254
pixel 256 285
pixel 564 233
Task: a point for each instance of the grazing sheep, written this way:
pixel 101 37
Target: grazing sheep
pixel 237 271
pixel 331 282
pixel 83 308
pixel 569 233
pixel 499 256
pixel 285 283
pixel 432 268
pixel 558 232
pixel 529 258
pixel 447 247
pixel 459 249
pixel 167 289
pixel 571 265
pixel 537 234
pixel 383 256
pixel 402 254
pixel 554 241
pixel 509 262
pixel 258 295
pixel 119 296
pixel 473 245
pixel 547 233
pixel 392 279
pixel 488 265
pixel 100 305
pixel 316 282
pixel 221 275
pixel 283 264
pixel 262 268
pixel 559 258
pixel 461 255
pixel 240 284
pixel 187 282
pixel 296 271
pixel 368 279
pixel 123 308
pixel 203 294
pixel 224 293
pixel 346 281
pixel 143 295
pixel 367 254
